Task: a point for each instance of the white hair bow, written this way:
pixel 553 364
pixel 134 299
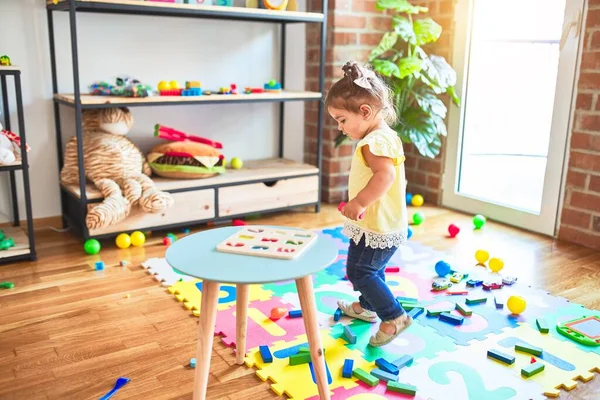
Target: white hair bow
pixel 363 81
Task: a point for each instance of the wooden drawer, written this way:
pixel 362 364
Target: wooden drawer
pixel 189 206
pixel 241 199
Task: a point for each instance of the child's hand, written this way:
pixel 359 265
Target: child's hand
pixel 353 210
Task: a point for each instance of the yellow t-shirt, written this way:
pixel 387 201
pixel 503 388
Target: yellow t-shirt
pixel 385 223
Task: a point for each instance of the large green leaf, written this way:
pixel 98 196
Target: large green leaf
pixel 426 31
pixel 439 73
pixel 429 102
pixel 452 92
pixel 400 6
pixel 404 28
pixel 386 68
pixel 421 129
pixel 409 66
pixel 386 43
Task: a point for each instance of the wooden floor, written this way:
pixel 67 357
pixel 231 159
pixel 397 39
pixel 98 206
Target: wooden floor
pixel 68 332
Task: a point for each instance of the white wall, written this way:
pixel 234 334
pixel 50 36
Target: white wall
pixel 214 52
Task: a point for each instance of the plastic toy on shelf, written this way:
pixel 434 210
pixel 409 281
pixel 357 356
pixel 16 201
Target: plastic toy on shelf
pixel 251 90
pixel 193 88
pixel 5 61
pixel 272 86
pixel 232 89
pixel 164 132
pixel 123 86
pixel 440 285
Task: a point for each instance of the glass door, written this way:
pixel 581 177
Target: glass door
pixel 516 63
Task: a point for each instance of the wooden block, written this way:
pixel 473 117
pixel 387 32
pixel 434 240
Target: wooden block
pixel 476 299
pixel 402 388
pixel 295 314
pixel 500 356
pixel 303 350
pixel 384 376
pixel 388 367
pixel 525 348
pixel 437 312
pixel 362 375
pixel 337 315
pixel 401 299
pixel 499 302
pixel 403 361
pixel 349 335
pixel 300 358
pixel 532 369
pixel 453 319
pixel 265 353
pixel 347 369
pixel 415 312
pixel 542 325
pixel 463 309
pixel 409 306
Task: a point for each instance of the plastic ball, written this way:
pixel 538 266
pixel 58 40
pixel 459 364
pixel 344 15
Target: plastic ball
pixel 516 304
pixel 174 85
pixel 164 85
pixel 138 238
pixel 172 236
pixel 453 230
pixel 496 264
pixel 167 241
pixel 418 218
pixel 236 163
pixel 482 256
pixel 123 241
pixel 92 246
pixel 479 221
pixel 410 232
pixel 442 268
pixel 409 197
pixel 417 200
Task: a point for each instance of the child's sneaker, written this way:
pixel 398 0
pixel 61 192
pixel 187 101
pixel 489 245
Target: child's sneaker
pixel 381 338
pixel 365 315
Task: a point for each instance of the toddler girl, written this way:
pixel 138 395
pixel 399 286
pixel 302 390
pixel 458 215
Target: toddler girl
pixel 360 103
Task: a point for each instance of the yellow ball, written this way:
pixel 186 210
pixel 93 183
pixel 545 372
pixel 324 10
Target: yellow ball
pixel 138 238
pixel 482 256
pixel 123 241
pixel 417 200
pixel 174 85
pixel 164 85
pixel 496 264
pixel 516 304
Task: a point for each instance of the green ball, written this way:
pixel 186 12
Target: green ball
pixel 92 246
pixel 272 82
pixel 479 221
pixel 418 218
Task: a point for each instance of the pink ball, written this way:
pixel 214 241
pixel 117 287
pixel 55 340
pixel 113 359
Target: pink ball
pixel 453 230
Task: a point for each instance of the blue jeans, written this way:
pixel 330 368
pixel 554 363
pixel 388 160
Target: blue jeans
pixel 366 272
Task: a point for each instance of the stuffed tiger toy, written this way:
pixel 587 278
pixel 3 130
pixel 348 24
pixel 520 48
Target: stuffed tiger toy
pixel 115 165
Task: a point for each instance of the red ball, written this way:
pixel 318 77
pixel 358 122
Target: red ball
pixel 453 230
pixel 167 241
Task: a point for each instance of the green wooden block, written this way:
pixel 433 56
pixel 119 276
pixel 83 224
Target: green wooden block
pixel 532 369
pixel 476 299
pixel 402 388
pixel 300 358
pixel 365 377
pixel 437 312
pixel 536 351
pixel 410 306
pixel 542 325
pixel 303 350
pixel 463 309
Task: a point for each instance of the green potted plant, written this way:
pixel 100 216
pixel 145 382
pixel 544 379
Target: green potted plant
pixel 417 77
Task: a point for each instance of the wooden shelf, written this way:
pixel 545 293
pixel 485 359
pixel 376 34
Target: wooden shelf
pixel 186 10
pixel 11 167
pixel 96 101
pixel 9 70
pixel 21 247
pixel 253 171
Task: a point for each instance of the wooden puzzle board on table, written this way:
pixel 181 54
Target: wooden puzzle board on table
pixel 268 242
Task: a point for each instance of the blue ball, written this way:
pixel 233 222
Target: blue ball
pixel 409 197
pixel 442 268
pixel 409 232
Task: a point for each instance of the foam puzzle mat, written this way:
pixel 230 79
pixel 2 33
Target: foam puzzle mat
pixel 447 359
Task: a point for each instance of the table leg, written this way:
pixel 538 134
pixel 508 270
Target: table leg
pixel 206 332
pixel 241 312
pixel 311 324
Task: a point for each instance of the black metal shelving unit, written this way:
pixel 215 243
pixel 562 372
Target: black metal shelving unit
pixel 74 206
pixel 19 252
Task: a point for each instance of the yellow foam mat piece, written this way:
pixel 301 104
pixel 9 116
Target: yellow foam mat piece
pixel 292 379
pixel 188 294
pixel 556 373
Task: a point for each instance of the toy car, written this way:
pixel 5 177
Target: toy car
pixel 440 285
pixel 474 282
pixel 458 276
pixel 492 285
pixel 509 280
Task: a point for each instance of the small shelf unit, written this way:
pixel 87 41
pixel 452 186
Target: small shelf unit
pixel 24 248
pixel 261 186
